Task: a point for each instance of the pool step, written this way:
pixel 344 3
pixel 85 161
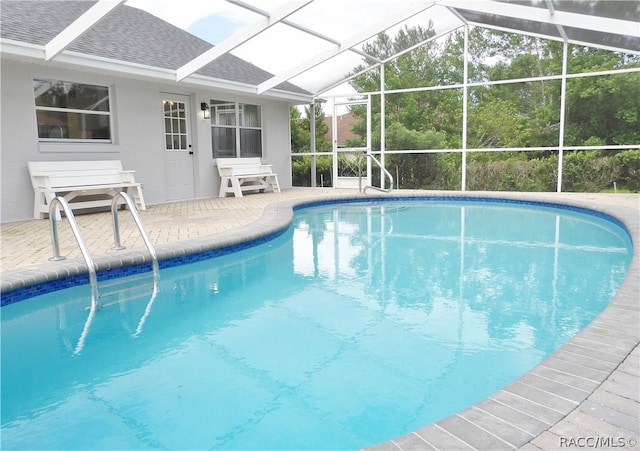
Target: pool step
pixel 127 288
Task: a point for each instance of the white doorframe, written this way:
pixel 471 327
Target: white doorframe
pixel 177 147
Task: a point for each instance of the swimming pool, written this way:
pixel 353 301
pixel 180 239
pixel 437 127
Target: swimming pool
pixel 347 251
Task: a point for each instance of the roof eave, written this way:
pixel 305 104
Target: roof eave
pixel 211 82
pixel 134 70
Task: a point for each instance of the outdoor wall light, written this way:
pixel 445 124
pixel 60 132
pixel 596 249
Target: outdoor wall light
pixel 205 109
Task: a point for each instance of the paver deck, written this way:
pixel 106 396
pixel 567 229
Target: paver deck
pixel 585 395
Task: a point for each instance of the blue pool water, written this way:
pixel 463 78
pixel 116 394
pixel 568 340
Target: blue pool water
pixel 362 322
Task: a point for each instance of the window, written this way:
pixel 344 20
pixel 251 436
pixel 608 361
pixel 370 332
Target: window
pixel 236 129
pixel 72 111
pixel 175 125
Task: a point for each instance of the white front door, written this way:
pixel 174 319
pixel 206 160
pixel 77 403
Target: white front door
pixel 178 153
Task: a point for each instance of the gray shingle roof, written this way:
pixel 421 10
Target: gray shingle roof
pixel 126 34
pixel 37 22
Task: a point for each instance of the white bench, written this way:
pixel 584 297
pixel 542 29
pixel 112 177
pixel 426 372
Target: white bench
pixel 245 174
pixel 75 180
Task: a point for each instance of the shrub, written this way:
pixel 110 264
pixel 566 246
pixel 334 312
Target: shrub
pixel 628 163
pixel 301 170
pixel 425 171
pixel 583 171
pixel 512 175
pixel 586 172
pixel 544 172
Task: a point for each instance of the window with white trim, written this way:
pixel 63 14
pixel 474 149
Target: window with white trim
pixel 236 129
pixel 68 111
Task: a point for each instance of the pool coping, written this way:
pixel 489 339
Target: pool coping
pixel 585 389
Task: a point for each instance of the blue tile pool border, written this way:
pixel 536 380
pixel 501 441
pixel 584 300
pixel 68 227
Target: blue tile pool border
pixel 19 294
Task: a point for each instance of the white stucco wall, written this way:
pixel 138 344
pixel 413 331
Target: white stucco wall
pixel 137 133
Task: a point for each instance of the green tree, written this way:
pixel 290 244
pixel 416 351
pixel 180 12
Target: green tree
pixel 418 120
pixel 534 105
pixel 299 136
pixel 602 109
pixel 497 123
pixel 301 130
pixel 301 143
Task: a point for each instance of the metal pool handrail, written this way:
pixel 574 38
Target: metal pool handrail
pixel 136 217
pixel 147 242
pixel 386 173
pixel 59 201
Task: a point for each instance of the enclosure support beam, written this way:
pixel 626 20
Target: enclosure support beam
pixel 334 144
pixel 465 104
pixel 369 149
pixel 563 97
pixel 383 125
pixel 312 144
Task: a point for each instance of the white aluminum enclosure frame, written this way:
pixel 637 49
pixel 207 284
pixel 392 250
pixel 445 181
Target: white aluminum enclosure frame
pixel 366 102
pixel 239 38
pixel 464 150
pixel 484 14
pixel 570 21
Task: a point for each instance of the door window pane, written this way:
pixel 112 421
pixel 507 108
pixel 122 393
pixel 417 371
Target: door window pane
pixel 175 125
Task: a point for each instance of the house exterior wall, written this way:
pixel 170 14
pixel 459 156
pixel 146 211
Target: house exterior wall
pixel 137 133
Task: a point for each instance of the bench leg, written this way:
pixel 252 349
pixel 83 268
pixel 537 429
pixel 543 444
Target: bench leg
pixel 234 188
pixel 224 185
pixel 226 189
pixel 38 204
pixel 137 197
pixel 273 179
